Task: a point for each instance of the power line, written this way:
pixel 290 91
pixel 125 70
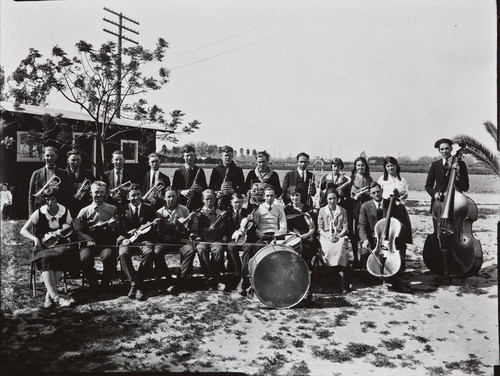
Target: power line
pixel 245 32
pixel 270 37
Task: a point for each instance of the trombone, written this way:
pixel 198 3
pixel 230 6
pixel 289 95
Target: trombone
pixel 82 189
pixel 154 192
pixel 316 200
pixel 54 181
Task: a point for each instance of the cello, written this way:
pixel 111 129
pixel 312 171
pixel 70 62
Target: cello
pixel 451 250
pixel 385 260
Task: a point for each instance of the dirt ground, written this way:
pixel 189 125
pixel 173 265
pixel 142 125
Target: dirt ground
pixel 436 327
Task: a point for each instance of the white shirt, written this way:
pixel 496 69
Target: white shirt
pixel 302 174
pixel 392 183
pixel 52 220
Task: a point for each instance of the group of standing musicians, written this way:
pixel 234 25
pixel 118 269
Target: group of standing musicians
pixel 118 217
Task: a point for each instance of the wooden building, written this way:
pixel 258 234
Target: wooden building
pixel 19 159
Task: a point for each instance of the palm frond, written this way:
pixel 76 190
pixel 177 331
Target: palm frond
pixel 492 130
pixel 480 152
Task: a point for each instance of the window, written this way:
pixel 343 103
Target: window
pixel 130 150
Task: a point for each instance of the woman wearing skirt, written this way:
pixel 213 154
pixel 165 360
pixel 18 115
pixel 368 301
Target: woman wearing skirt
pixel 333 231
pixel 54 219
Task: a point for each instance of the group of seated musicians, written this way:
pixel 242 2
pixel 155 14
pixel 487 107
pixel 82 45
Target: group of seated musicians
pixel 193 217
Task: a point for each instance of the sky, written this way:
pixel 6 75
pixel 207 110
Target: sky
pixel 331 78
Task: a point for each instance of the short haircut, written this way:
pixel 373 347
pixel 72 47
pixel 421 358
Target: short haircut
pixel 50 192
pixel 270 188
pixel 237 196
pixel 374 184
pixel 154 155
pixel 98 183
pixel 264 154
pixel 73 152
pixel 135 187
pixel 170 189
pixel 116 152
pixel 188 149
pixel 208 191
pixel 51 148
pixel 227 149
pixel 302 154
pixel 332 190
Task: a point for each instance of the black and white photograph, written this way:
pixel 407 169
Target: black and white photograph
pixel 279 187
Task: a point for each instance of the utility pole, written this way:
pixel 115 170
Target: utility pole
pixel 120 36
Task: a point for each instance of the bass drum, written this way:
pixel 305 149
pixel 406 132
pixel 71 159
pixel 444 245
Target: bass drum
pixel 279 276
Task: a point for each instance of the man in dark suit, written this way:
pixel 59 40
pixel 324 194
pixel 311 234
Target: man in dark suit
pixel 439 172
pixel 131 217
pixel 299 177
pixel 189 180
pixel 374 210
pixel 40 177
pixel 116 177
pixel 153 176
pixel 77 176
pixel 227 178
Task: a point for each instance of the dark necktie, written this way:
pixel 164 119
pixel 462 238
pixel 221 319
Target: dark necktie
pixel 446 167
pixel 118 178
pixel 135 217
pixel 153 181
pixel 380 212
pixel 237 216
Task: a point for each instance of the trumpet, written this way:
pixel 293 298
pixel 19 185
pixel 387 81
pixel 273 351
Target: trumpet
pixel 154 192
pixel 355 195
pixel 54 181
pixel 115 192
pixel 83 187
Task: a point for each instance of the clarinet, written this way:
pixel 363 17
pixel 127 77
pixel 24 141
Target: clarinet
pixel 224 181
pixel 191 189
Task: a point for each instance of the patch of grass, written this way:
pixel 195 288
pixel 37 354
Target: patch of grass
pixel 470 366
pixel 276 341
pixel 382 361
pixel 298 343
pixel 421 339
pixel 340 319
pixel 470 289
pixel 384 332
pixel 299 369
pixel 324 333
pixel 428 349
pixel 332 355
pixel 365 325
pixel 437 371
pixel 394 344
pixel 359 350
pixel 272 365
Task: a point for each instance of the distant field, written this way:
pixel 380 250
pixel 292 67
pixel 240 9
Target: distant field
pixel 416 180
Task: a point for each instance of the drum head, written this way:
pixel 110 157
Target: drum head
pixel 279 276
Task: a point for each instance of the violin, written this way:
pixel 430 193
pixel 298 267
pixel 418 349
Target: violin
pixel 101 224
pixel 240 236
pixel 451 250
pixel 211 231
pixel 385 260
pixel 136 232
pixel 50 239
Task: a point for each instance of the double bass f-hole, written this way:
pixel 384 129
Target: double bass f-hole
pixel 385 261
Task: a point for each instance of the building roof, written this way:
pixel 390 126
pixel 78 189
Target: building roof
pixel 74 115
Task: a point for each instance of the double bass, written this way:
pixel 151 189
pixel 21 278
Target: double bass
pixel 385 260
pixel 451 250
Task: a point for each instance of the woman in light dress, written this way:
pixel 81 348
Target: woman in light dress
pixel 333 231
pixel 392 180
